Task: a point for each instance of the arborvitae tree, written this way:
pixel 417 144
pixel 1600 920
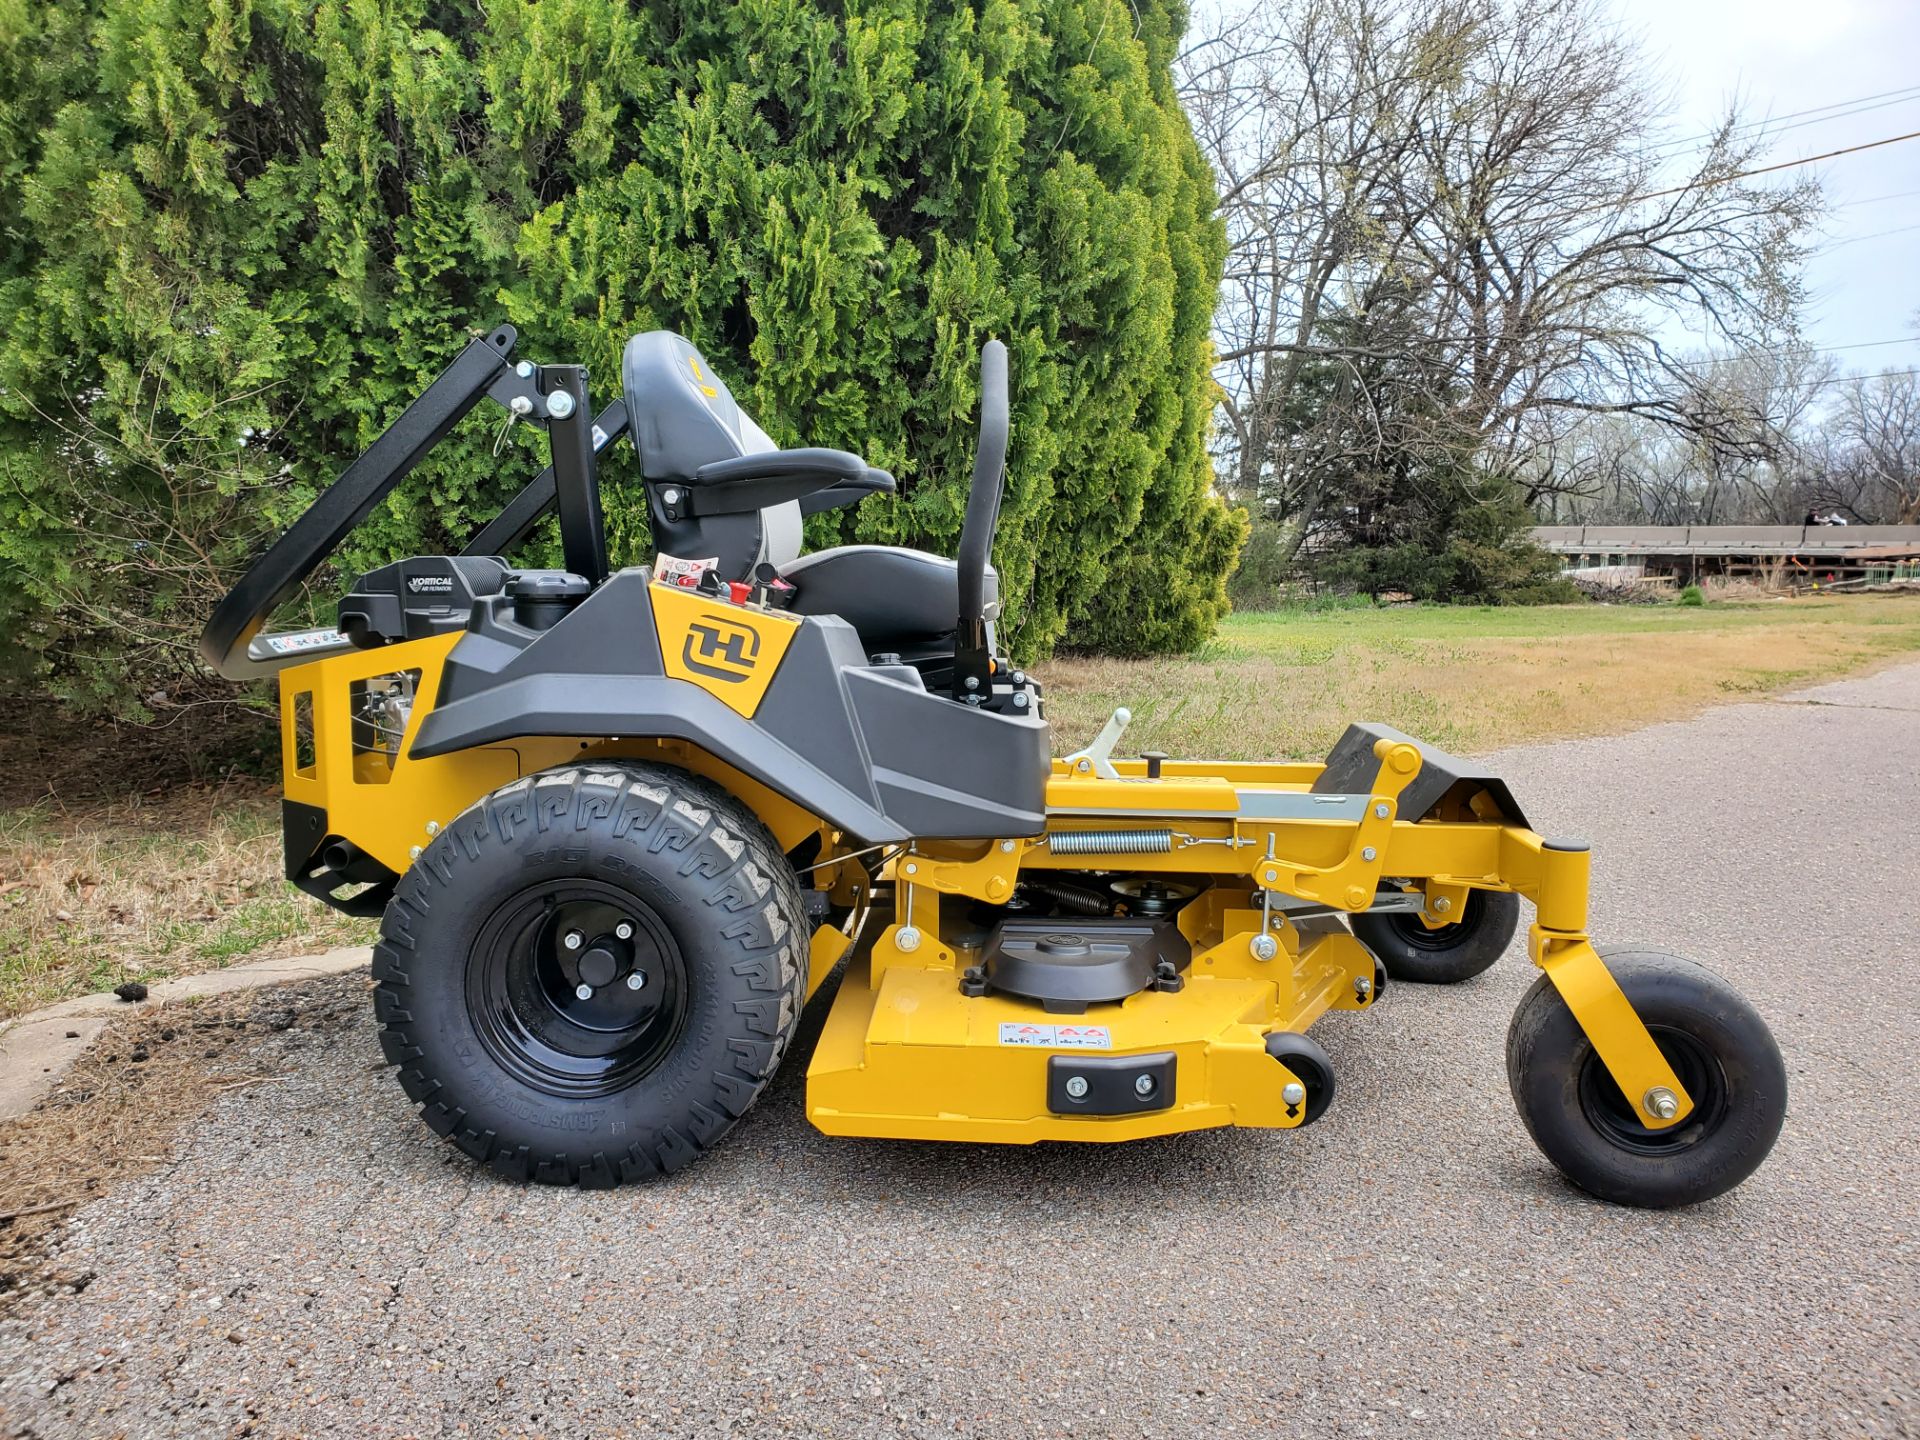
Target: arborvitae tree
pixel 238 236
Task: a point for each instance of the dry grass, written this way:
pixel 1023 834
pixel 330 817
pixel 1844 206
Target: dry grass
pixel 1285 685
pixel 147 887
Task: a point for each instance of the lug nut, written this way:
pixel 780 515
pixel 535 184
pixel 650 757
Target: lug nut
pixel 574 940
pixel 1293 1092
pixel 1077 1087
pixel 1143 1086
pixel 637 981
pixel 1662 1103
pixel 624 930
pixel 585 992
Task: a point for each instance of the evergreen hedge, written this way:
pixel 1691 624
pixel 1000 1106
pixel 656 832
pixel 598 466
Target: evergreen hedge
pixel 238 236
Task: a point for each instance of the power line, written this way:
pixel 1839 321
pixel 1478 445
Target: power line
pixel 1877 234
pixel 1889 96
pixel 1749 174
pixel 1752 129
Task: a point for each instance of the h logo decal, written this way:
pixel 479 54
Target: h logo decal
pixel 721 650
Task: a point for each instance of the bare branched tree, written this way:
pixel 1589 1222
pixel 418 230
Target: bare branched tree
pixel 1455 226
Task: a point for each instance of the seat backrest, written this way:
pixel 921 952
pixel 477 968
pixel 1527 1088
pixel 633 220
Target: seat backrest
pixel 683 416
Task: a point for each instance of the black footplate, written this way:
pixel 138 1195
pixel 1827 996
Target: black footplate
pixel 1069 962
pixel 1109 1084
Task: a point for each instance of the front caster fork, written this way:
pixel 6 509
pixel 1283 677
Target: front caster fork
pixel 1558 944
pixel 1614 1027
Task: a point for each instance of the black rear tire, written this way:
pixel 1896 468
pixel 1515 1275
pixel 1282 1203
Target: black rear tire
pixel 658 892
pixel 1717 1044
pixel 1413 951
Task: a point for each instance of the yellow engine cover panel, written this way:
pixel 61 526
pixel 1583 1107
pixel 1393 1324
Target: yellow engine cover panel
pixel 730 651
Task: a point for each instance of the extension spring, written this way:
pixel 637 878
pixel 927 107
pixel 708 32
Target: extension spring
pixel 1111 842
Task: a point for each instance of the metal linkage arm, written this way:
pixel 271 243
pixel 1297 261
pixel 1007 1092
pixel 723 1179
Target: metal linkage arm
pixel 509 530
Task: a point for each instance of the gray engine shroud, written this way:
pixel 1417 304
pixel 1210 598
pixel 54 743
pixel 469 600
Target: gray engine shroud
pixel 876 756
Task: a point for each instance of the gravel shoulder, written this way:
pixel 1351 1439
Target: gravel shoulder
pixel 310 1262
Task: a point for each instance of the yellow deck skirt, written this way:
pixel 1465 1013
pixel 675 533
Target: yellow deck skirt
pixel 899 1060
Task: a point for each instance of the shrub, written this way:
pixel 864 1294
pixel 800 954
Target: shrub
pixel 240 238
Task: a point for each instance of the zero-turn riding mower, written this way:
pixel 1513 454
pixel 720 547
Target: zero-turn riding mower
pixel 620 825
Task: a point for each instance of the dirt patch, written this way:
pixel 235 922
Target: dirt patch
pixel 124 1105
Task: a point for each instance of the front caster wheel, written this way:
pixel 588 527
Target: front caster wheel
pixel 1444 954
pixel 1716 1043
pixel 590 975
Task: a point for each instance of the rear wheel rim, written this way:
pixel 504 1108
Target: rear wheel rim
pixel 1617 1119
pixel 523 980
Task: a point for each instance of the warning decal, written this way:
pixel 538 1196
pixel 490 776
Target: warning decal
pixel 1060 1037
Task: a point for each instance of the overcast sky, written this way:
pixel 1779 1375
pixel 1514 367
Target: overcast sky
pixel 1784 56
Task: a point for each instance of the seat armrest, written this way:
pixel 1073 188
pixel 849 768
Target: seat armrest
pixel 753 482
pixel 848 492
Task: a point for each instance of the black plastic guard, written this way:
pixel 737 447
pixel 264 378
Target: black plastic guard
pixel 1443 778
pixel 368 884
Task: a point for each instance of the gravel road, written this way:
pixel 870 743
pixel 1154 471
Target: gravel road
pixel 314 1263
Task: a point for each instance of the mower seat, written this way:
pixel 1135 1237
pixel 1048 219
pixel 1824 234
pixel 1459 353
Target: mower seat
pixel 690 433
pixel 901 601
pixel 683 418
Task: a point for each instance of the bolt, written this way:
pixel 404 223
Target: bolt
pixel 624 930
pixel 413 852
pixel 637 981
pixel 670 495
pixel 1362 986
pixel 1368 853
pixel 559 404
pixel 1143 1086
pixel 433 827
pixel 1077 1087
pixel 912 869
pixel 1264 947
pixel 1272 875
pixel 972 682
pixel 524 369
pixel 520 405
pixel 1006 847
pixel 585 992
pixel 1293 1092
pixel 574 940
pixel 1661 1103
pixel 1020 700
pixel 1380 810
pixel 1442 905
pixel 907 939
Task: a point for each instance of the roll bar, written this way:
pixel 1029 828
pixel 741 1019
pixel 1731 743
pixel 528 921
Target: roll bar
pixel 972 658
pixel 234 642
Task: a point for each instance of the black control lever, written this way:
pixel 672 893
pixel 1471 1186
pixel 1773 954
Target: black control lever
pixel 972 658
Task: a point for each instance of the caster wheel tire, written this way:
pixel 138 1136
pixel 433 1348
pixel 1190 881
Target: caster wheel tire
pixel 1306 1059
pixel 1413 951
pixel 1716 1043
pixel 589 976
